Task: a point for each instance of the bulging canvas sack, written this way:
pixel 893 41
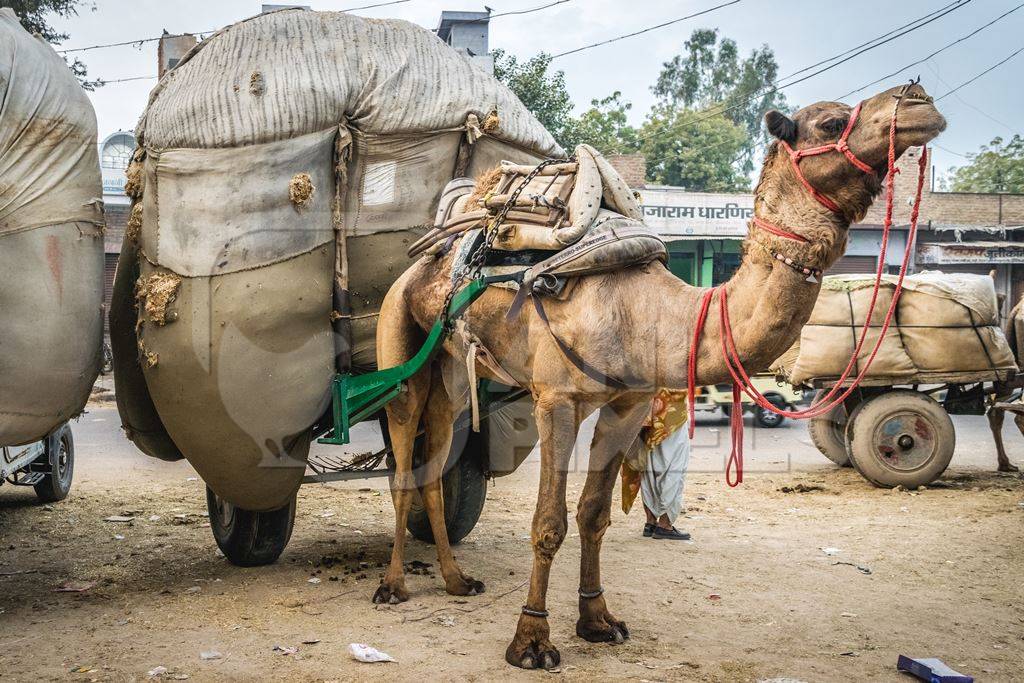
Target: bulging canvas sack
pixel 283 153
pixel 51 239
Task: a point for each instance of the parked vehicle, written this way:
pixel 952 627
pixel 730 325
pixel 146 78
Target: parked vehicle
pixel 48 466
pixel 781 394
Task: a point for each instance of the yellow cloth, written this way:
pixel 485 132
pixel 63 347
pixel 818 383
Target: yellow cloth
pixel 668 414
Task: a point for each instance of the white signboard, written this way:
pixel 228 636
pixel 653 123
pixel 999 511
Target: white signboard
pixel 697 215
pixel 977 252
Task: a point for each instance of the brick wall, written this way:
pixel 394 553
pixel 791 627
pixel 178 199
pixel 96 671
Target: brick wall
pixel 632 168
pixel 117 219
pixel 945 208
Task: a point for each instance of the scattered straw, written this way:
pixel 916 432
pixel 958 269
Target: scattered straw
pixel 257 84
pixel 135 182
pixel 301 189
pixel 156 293
pixel 484 184
pixel 491 122
pixel 131 231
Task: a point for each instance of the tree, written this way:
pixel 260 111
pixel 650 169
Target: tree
pixel 998 167
pixel 688 148
pixel 711 75
pixel 541 92
pixel 33 17
pixel 606 127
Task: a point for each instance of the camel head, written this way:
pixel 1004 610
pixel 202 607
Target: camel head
pixel 832 174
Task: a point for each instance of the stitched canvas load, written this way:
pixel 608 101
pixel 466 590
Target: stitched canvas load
pixel 51 239
pixel 945 323
pixel 284 152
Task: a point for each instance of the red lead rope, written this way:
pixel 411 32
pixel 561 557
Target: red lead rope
pixel 741 380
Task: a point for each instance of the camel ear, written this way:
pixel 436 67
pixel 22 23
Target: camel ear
pixel 780 125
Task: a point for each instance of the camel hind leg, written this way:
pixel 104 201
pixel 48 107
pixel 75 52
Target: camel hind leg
pixel 398 340
pixel 438 419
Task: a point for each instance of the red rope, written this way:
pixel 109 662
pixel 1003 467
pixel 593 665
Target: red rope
pixel 731 356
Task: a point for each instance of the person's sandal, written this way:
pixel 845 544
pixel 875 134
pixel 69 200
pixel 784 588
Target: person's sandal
pixel 672 534
pixel 648 530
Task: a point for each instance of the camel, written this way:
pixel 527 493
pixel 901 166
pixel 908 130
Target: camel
pixel 636 325
pixel 1004 394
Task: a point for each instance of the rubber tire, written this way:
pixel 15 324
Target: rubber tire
pixel 766 418
pixel 873 412
pixel 828 434
pixel 249 538
pixel 56 485
pixel 464 489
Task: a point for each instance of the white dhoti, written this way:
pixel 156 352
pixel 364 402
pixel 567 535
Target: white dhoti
pixel 661 483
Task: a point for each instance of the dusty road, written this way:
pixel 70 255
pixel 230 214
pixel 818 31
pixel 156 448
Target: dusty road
pixel 753 597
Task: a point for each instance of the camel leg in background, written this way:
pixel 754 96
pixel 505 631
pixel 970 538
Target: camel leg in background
pixel 438 419
pixel 558 421
pixel 995 422
pixel 616 432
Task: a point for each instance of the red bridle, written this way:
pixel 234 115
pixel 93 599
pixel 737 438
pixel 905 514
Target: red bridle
pixel 731 356
pixel 841 145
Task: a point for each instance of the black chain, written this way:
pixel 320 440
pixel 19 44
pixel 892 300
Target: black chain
pixel 475 263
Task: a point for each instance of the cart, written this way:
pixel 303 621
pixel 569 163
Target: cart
pixel 48 465
pixel 508 434
pixel 899 432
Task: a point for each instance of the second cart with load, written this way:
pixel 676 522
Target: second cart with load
pixel 943 355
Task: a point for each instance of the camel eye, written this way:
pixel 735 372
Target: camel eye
pixel 834 126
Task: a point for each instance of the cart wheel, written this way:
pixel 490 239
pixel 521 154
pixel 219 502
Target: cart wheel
pixel 828 434
pixel 464 489
pixel 60 455
pixel 900 438
pixel 248 538
pixel 766 418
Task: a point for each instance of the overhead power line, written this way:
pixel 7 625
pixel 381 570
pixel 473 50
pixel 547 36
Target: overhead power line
pixel 142 41
pixel 940 50
pixel 871 45
pixel 979 75
pixel 645 30
pixel 528 11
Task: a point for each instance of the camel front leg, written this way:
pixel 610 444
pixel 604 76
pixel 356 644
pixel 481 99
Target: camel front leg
pixel 438 420
pixel 616 432
pixel 557 423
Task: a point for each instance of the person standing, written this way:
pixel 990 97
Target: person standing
pixel 663 477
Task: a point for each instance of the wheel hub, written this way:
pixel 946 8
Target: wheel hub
pixel 906 441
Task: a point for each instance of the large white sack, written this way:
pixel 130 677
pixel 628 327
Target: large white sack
pixel 262 142
pixel 51 243
pixel 945 323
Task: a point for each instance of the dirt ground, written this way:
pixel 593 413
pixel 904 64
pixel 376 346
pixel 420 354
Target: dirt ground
pixel 935 573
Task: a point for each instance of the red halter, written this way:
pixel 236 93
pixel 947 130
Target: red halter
pixel 841 146
pixel 741 380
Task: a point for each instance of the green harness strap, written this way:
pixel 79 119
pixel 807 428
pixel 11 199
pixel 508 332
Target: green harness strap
pixel 357 397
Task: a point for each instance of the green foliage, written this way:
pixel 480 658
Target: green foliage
pixel 715 154
pixel 33 16
pixel 699 155
pixel 542 92
pixel 605 126
pixel 998 167
pixel 710 74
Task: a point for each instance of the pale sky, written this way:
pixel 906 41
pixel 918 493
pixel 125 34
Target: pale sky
pixel 801 32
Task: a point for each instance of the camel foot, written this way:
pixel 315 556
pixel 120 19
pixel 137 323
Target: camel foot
pixel 531 649
pixel 608 630
pixel 464 585
pixel 390 594
pixel 1007 467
